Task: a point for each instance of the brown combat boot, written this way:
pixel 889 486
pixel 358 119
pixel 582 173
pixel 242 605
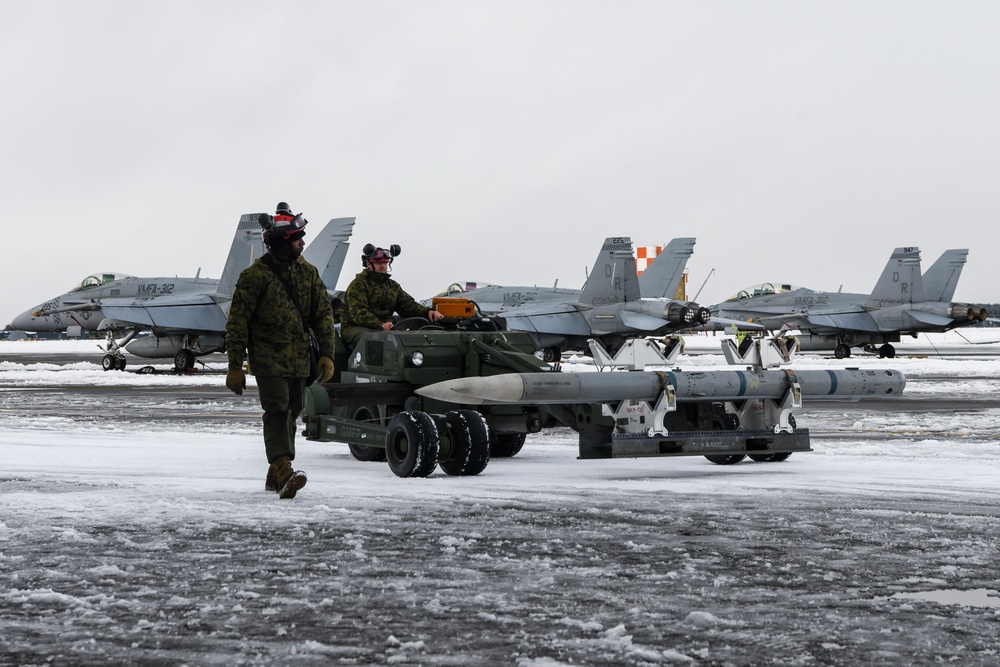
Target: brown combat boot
pixel 270 482
pixel 287 481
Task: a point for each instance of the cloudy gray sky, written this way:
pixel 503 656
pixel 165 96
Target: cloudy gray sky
pixel 502 141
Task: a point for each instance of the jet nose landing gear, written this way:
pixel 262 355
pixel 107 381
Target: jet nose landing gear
pixel 183 361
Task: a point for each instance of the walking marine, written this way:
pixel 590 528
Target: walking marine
pixel 278 304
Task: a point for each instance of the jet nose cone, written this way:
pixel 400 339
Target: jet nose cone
pixel 26 321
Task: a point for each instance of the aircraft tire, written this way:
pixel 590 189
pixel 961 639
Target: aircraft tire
pixel 108 362
pixel 120 364
pixel 366 413
pixel 551 355
pixel 412 444
pixel 470 439
pixel 887 351
pixel 841 351
pixel 506 445
pixel 183 360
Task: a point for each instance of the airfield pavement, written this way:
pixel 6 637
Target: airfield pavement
pixel 134 530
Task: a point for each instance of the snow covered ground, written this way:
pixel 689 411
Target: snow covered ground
pixel 134 529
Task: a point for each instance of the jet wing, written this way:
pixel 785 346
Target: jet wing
pixel 165 314
pixel 860 321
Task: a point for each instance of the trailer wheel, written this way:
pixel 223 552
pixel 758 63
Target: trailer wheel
pixel 411 444
pixel 366 413
pixel 724 421
pixel 470 442
pixel 506 445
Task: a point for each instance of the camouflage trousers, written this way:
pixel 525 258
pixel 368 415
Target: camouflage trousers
pixel 281 399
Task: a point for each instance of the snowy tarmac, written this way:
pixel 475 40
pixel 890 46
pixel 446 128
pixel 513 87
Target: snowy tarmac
pixel 134 529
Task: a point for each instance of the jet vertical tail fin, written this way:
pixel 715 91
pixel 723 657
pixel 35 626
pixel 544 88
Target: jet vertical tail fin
pixel 246 248
pixel 662 278
pixel 328 250
pixel 900 281
pixel 613 278
pixel 940 281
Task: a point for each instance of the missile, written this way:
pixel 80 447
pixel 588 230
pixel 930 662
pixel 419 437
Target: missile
pixel 559 387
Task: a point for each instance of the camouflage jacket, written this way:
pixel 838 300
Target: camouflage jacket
pixel 372 298
pixel 264 321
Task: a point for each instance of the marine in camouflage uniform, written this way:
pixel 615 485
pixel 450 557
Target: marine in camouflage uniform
pixel 372 298
pixel 265 321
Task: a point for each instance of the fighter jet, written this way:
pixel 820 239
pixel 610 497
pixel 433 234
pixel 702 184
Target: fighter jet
pixel 904 302
pixel 185 317
pixel 615 304
pixel 663 279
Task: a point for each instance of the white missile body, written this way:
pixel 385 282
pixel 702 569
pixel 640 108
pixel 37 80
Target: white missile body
pixel 553 388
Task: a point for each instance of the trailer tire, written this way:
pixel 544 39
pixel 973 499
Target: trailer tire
pixel 506 445
pixel 366 413
pixel 470 439
pixel 411 444
pixel 724 421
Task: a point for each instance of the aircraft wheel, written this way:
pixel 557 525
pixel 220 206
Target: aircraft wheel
pixel 366 413
pixel 887 351
pixel 120 364
pixel 551 355
pixel 841 351
pixel 108 362
pixel 470 440
pixel 411 444
pixel 778 457
pixel 184 360
pixel 506 445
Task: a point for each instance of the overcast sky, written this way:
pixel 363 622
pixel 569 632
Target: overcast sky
pixel 502 141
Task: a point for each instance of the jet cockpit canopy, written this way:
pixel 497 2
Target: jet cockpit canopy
pixel 763 288
pixel 98 279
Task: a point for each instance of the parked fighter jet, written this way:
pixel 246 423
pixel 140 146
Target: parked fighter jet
pixel 612 306
pixel 663 279
pixel 186 316
pixel 902 303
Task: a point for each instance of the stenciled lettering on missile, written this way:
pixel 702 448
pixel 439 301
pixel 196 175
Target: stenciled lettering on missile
pixel 544 387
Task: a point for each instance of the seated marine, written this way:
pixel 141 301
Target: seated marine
pixel 373 297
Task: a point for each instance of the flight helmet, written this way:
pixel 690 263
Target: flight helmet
pixel 370 254
pixel 277 233
pixel 283 209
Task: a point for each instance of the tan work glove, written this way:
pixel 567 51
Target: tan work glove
pixel 325 368
pixel 236 381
